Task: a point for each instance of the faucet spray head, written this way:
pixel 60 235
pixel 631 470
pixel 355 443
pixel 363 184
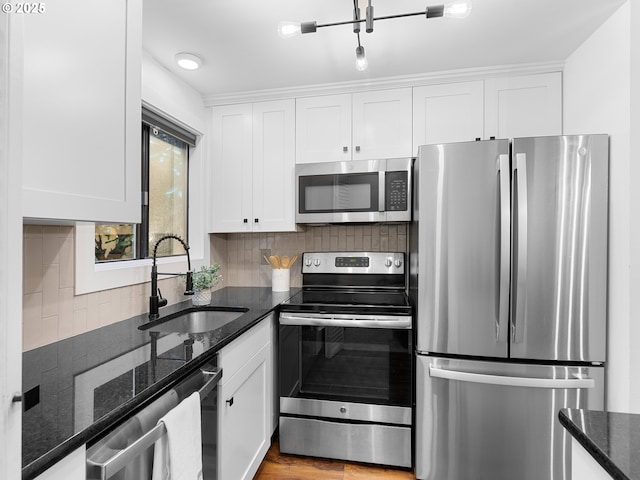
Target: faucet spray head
pixel 189 287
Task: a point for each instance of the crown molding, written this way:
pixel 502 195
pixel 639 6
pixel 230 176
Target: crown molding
pixel 448 76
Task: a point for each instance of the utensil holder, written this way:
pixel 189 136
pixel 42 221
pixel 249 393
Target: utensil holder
pixel 280 278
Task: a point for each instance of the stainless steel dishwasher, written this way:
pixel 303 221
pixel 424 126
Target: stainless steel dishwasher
pixel 126 453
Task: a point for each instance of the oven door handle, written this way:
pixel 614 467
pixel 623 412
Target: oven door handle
pixel 361 321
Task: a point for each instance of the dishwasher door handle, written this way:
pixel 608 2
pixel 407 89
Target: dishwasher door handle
pixel 106 469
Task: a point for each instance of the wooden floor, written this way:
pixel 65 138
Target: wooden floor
pixel 277 466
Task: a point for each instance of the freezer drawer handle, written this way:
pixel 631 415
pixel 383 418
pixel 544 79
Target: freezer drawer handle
pixel 512 381
pixel 111 466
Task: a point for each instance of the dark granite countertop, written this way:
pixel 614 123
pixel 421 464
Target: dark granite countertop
pixel 89 383
pixel 612 439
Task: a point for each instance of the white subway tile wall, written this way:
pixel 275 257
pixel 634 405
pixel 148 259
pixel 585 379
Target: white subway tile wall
pixel 51 311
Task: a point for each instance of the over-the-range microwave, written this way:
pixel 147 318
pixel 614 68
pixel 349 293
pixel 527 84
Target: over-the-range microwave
pixel 356 191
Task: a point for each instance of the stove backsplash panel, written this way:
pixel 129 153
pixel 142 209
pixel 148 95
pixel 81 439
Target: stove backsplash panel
pixel 239 253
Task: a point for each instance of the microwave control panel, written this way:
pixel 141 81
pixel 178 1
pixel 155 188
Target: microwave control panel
pixel 396 191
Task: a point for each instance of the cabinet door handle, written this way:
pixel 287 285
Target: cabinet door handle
pixel 357 148
pixel 345 149
pixel 230 402
pixel 245 220
pixel 255 220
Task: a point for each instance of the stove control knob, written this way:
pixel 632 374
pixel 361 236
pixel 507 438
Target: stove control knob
pixel 316 262
pixel 388 262
pixel 308 262
pixel 398 263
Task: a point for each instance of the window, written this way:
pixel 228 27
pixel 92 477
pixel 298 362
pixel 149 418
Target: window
pixel 164 193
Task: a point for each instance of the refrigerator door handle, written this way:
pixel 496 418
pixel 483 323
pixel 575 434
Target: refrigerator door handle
pixel 580 382
pixel 521 242
pixel 502 322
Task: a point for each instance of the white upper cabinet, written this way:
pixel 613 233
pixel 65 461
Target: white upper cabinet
pixel 232 158
pixel 81 117
pixel 252 175
pixel 323 129
pixel 382 124
pixel 362 126
pixel 446 113
pixel 523 106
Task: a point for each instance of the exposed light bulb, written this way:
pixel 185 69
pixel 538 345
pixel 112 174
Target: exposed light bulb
pixel 188 61
pixel 458 9
pixel 289 29
pixel 361 60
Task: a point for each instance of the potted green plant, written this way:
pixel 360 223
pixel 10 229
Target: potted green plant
pixel 203 281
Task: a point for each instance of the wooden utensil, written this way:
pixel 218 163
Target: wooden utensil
pixel 293 260
pixel 267 260
pixel 275 261
pixel 285 261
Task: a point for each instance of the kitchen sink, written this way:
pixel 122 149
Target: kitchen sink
pixel 195 319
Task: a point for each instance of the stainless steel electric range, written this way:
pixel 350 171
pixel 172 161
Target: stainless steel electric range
pixel 345 360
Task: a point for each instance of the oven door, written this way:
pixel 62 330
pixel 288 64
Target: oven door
pixel 362 359
pixel 345 387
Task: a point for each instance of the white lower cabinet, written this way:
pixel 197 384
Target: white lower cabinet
pixel 71 467
pixel 584 466
pixel 245 403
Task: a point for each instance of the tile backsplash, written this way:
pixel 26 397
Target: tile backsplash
pixel 239 253
pixel 51 310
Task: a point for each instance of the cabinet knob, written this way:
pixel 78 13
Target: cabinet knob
pixel 343 409
pixel 245 220
pixel 230 402
pixel 345 149
pixel 255 220
pixel 357 148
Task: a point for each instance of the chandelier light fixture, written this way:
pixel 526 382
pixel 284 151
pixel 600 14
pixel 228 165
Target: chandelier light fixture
pixel 454 9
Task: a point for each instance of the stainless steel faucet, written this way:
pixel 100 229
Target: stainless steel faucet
pixel 155 299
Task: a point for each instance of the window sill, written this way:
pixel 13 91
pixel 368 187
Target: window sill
pixel 94 277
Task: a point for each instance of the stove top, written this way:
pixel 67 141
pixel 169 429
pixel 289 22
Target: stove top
pixel 351 282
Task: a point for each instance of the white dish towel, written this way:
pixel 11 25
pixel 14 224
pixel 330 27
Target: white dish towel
pixel 178 453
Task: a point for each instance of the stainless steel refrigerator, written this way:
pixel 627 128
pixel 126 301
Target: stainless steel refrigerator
pixel 508 274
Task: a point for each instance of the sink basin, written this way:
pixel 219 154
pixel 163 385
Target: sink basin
pixel 195 319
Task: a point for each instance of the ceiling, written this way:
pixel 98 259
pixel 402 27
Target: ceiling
pixel 242 51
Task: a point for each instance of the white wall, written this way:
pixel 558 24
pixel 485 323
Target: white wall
pixel 10 244
pixel 634 180
pixel 167 94
pixel 596 96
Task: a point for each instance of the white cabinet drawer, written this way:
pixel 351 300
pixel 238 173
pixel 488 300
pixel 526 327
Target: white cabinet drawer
pixel 233 356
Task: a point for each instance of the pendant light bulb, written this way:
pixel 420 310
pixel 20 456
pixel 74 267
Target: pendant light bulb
pixel 289 29
pixel 361 60
pixel 458 9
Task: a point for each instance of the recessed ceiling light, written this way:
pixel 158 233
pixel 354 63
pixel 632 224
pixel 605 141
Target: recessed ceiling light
pixel 188 61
